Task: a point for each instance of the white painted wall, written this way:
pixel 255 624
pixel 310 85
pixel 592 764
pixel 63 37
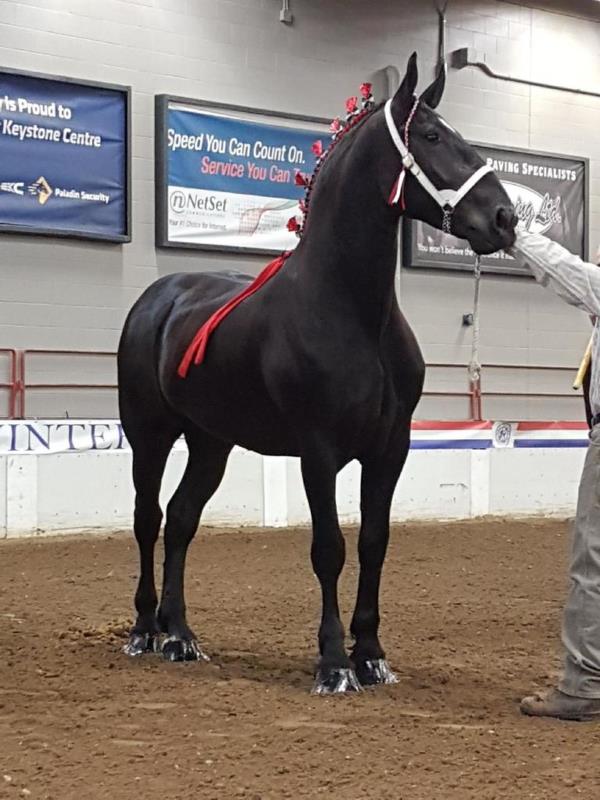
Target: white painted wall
pixel 62 294
pixel 92 490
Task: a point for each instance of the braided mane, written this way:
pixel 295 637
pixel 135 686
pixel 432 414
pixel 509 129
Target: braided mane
pixel 339 131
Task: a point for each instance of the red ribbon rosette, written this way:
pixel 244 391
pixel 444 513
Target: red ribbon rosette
pixel 351 105
pixel 300 179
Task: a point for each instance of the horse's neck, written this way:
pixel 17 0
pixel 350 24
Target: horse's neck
pixel 350 241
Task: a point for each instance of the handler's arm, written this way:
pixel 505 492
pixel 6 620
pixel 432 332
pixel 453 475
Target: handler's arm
pixel 552 265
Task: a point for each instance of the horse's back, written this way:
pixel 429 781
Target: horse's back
pixel 200 289
pixel 186 286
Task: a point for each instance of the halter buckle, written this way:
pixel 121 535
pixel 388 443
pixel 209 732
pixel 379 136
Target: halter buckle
pixel 409 161
pixel 447 219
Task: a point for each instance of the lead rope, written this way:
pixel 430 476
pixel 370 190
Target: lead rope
pixel 475 366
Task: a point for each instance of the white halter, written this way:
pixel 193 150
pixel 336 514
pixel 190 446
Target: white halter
pixel 447 199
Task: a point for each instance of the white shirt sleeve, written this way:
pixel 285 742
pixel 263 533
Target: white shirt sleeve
pixel 552 265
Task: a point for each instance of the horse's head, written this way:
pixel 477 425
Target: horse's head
pixel 445 181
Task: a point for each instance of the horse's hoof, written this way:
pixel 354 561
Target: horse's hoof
pixel 336 681
pixel 374 672
pixel 174 649
pixel 141 643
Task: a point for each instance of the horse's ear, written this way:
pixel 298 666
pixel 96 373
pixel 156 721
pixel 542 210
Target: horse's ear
pixel 403 98
pixel 433 94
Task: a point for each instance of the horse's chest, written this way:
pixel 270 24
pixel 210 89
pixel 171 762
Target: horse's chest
pixel 342 394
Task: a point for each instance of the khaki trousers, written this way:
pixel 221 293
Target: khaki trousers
pixel 581 620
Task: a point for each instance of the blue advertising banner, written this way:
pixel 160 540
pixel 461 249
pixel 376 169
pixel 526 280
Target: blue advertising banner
pixel 63 157
pixel 228 182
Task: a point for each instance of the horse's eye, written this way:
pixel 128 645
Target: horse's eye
pixel 432 136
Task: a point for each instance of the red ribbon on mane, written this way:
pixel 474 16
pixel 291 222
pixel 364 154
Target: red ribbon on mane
pixel 196 349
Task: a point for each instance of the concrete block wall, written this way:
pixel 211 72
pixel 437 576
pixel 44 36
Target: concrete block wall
pixel 68 294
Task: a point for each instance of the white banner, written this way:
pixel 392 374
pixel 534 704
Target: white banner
pixel 197 216
pixel 62 436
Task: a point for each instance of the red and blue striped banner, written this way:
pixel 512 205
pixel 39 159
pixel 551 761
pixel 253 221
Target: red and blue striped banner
pixel 446 435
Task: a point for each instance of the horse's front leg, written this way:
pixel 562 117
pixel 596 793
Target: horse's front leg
pixel 379 479
pixel 334 673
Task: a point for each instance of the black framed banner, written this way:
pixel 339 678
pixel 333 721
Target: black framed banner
pixel 550 195
pixel 226 175
pixel 64 157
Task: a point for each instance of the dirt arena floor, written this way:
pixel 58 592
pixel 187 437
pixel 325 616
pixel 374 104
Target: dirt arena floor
pixel 470 622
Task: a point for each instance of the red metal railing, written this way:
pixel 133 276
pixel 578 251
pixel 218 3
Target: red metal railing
pixel 19 386
pixel 476 394
pixel 12 384
pixel 26 386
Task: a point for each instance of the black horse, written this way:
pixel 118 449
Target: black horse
pixel 320 363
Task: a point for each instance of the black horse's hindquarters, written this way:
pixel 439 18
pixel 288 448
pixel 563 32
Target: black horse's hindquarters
pixel 319 363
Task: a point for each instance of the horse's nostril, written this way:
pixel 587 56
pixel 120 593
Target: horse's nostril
pixel 505 218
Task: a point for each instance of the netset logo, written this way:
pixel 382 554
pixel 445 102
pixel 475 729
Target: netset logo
pixel 177 202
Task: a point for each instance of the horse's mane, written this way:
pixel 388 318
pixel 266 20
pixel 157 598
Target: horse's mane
pixel 339 145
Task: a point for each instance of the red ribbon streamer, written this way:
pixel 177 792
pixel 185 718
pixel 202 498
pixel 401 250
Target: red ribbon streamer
pixel 196 349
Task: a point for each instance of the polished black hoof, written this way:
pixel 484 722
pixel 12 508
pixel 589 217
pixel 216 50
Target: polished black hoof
pixel 140 643
pixel 336 681
pixel 375 672
pixel 174 649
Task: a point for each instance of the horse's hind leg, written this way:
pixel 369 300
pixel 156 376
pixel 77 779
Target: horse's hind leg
pixel 204 471
pixel 379 479
pixel 150 451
